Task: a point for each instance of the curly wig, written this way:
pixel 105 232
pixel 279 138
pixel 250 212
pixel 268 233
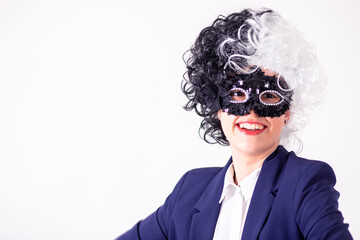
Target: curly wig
pixel 241 43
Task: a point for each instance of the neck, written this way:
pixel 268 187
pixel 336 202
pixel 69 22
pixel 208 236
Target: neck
pixel 245 164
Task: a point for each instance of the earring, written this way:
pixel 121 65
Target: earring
pixel 285 121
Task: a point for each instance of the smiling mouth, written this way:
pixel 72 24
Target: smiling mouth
pixel 251 128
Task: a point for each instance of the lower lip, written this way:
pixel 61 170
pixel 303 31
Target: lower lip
pixel 250 132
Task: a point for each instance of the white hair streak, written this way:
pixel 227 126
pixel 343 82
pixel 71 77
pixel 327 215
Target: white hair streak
pixel 243 69
pixel 269 42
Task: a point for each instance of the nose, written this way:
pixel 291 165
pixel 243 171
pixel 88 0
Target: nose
pixel 253 114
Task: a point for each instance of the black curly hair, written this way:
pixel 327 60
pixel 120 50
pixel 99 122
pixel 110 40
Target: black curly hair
pixel 206 74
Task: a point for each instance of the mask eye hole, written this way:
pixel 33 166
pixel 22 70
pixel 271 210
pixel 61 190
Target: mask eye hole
pixel 238 95
pixel 271 97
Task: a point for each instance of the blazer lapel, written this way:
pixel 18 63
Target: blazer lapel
pixel 207 208
pixel 264 194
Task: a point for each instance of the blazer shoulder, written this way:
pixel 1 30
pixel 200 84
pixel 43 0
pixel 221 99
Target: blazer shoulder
pixel 195 181
pixel 205 171
pixel 200 176
pixel 302 165
pixel 316 201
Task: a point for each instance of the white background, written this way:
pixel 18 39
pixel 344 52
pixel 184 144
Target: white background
pixel 93 136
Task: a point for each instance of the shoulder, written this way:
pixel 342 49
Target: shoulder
pixel 316 200
pixel 195 181
pixel 300 173
pixel 201 172
pixel 191 187
pixel 200 177
pixel 307 176
pixel 304 168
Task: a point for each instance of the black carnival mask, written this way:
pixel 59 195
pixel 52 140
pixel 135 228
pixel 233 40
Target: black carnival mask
pixel 267 96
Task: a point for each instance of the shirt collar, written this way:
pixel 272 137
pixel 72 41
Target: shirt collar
pixel 246 185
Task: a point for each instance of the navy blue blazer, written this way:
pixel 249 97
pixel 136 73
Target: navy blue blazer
pixel 293 199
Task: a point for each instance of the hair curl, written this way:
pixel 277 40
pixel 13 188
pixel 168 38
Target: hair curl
pixel 243 42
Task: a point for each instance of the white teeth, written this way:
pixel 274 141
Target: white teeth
pixel 250 126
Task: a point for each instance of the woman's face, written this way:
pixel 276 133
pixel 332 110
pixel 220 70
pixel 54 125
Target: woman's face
pixel 252 135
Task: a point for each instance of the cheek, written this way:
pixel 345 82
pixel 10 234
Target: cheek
pixel 226 121
pixel 277 123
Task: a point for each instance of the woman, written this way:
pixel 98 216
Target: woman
pixel 254 79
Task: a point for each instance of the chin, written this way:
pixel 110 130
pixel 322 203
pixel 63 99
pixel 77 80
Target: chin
pixel 255 148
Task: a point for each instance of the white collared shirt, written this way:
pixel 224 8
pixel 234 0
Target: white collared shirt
pixel 235 201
